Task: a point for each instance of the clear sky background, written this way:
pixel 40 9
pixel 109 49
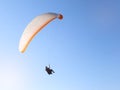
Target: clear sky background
pixel 83 48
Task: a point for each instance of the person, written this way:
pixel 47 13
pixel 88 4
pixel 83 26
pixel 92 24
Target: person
pixel 48 70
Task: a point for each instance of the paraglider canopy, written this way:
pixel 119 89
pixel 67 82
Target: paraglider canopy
pixel 34 27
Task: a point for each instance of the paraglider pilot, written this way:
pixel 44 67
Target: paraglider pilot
pixel 48 70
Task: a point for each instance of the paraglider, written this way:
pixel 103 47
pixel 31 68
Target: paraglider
pixel 36 25
pixel 48 70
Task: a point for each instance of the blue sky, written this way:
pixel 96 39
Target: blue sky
pixel 83 48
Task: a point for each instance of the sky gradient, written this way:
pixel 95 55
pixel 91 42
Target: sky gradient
pixel 83 48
